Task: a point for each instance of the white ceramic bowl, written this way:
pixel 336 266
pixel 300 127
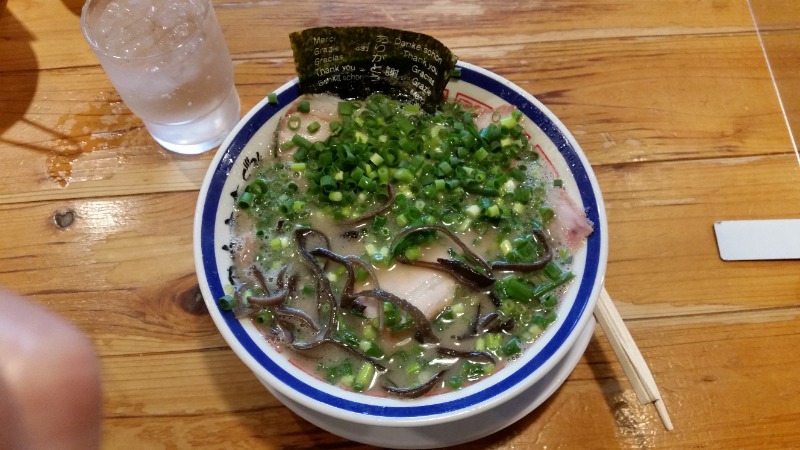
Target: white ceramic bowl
pixel 432 421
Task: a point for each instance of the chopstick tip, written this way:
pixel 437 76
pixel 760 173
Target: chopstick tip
pixel 662 412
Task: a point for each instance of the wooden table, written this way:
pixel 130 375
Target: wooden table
pixel 684 108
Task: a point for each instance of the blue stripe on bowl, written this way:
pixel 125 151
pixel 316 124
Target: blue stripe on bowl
pixel 486 82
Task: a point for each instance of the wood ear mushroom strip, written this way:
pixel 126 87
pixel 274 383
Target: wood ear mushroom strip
pixel 629 356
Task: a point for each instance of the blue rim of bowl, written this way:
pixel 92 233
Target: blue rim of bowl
pixel 595 255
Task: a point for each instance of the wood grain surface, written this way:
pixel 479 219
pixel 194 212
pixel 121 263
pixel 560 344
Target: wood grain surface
pixel 685 108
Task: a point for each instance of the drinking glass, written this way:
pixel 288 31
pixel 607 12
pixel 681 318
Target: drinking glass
pixel 170 64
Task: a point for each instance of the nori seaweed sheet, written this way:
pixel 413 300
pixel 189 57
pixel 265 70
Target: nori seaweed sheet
pixel 354 62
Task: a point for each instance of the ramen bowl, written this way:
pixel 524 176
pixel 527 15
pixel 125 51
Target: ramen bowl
pixel 430 421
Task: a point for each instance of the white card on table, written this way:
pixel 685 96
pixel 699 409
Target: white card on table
pixel 748 240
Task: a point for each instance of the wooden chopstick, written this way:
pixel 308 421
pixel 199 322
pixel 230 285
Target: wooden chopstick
pixel 629 356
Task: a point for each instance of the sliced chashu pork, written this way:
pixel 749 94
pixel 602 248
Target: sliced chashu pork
pixel 324 110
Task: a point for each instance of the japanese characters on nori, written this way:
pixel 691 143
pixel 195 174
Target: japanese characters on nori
pixel 353 62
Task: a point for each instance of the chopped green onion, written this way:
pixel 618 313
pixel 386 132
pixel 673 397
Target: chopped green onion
pixel 412 253
pixel 512 347
pixel 376 159
pixel 304 106
pixel 346 108
pixel 226 302
pixel 275 243
pixel 403 175
pixel 272 98
pixel 414 368
pixel 327 183
pixel 245 200
pixel 264 316
pixel 548 286
pixel 301 142
pixel 370 348
pixel 413 109
pixel 517 173
pixel 517 289
pixel 313 127
pixel 493 211
pixel 522 195
pixel 456 381
pixel 549 300
pixel 475 188
pixel 258 186
pixel 508 122
pixel 547 213
pixel 552 271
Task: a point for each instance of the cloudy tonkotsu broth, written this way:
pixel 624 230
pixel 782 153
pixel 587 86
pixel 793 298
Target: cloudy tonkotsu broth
pixel 396 252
